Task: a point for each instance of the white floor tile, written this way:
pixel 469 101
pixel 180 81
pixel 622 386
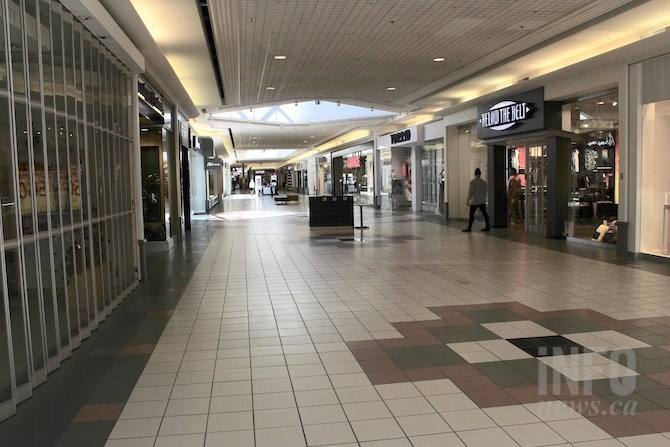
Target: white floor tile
pixel 487 438
pixel 576 430
pixel 329 434
pixel 533 435
pixel 377 429
pixel 468 419
pixel 511 415
pixel 135 428
pixel 424 424
pixel 193 440
pixel 324 414
pixel 440 440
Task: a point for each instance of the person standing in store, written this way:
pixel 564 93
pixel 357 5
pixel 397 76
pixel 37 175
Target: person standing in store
pixel 477 199
pixel 513 193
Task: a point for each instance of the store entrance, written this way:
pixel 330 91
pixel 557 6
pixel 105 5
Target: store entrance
pixel 530 162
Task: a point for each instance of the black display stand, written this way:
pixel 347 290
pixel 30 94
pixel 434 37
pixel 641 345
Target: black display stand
pixel 331 211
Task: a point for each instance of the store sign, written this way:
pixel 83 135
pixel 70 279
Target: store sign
pixel 213 163
pixel 525 112
pixel 401 137
pixel 505 114
pixel 404 138
pixel 353 162
pixel 607 142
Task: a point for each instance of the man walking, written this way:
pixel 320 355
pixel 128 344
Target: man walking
pixel 477 199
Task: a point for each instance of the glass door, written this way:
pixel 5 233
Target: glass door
pixel 536 188
pixel 429 179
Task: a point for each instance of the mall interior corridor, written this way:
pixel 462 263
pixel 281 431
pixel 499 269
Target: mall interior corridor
pixel 259 331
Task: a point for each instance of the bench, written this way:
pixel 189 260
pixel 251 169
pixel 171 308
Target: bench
pixel 286 199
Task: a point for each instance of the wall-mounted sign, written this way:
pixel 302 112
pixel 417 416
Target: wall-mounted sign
pixel 406 137
pixel 213 163
pixel 525 112
pixel 505 114
pixel 401 137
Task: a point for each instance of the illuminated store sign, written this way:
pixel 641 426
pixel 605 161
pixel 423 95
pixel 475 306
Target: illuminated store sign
pixel 516 114
pixel 505 114
pixel 607 142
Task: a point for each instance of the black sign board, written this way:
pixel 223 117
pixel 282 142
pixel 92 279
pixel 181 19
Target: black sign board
pixel 525 112
pixel 213 163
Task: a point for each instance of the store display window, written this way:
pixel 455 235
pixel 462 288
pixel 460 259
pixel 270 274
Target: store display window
pixel 594 164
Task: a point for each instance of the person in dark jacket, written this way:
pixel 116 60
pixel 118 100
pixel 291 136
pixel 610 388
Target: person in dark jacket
pixel 477 199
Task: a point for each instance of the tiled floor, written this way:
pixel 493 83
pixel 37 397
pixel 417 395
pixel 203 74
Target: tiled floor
pixel 409 334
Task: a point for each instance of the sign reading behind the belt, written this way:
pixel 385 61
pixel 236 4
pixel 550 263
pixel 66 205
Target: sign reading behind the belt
pixel 520 113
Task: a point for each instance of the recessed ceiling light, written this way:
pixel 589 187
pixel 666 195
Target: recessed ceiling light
pixel 390 89
pixel 269 88
pixel 280 58
pixel 600 103
pixel 615 103
pixel 438 59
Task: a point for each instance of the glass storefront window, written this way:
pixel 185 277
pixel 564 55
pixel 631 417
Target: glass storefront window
pixel 593 167
pixel 432 176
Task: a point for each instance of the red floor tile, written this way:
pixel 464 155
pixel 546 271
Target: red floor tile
pixel 619 426
pixel 384 377
pixel 474 383
pixel 530 394
pixel 99 412
pixel 434 323
pixel 418 374
pixel 658 420
pixel 663 378
pixel 370 354
pixel 491 398
pixel 570 390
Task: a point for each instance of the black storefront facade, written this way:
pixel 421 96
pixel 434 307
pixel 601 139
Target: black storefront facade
pixel 526 127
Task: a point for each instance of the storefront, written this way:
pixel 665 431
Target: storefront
pixel 650 117
pixel 433 170
pixel 524 132
pixel 398 153
pixel 353 169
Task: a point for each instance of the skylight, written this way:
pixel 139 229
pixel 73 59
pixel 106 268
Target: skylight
pixel 301 113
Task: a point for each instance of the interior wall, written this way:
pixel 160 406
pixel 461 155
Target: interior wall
pixel 654 182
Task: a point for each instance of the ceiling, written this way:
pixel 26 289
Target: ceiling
pixel 376 54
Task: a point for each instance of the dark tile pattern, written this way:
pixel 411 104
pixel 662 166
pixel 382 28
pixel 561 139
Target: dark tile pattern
pixel 548 346
pixel 620 407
